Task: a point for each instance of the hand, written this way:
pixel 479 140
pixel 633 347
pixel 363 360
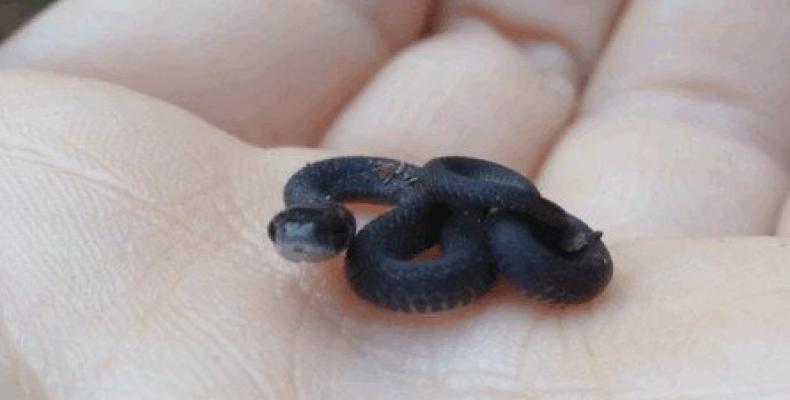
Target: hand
pixel 134 261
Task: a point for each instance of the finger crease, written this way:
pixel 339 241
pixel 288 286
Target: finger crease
pixel 522 34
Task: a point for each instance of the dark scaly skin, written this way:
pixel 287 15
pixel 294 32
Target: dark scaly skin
pixel 379 266
pixel 539 268
pixel 544 251
pixel 314 194
pixel 379 180
pixel 487 218
pixel 378 263
pixel 469 182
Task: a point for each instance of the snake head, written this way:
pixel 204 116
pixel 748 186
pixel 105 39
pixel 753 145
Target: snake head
pixel 312 233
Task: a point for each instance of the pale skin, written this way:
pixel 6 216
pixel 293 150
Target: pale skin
pixel 134 262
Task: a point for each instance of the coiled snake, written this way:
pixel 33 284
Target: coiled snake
pixel 486 218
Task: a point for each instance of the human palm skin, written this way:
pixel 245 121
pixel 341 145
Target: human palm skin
pixel 134 262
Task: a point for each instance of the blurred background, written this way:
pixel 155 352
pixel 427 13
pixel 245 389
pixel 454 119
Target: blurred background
pixel 15 12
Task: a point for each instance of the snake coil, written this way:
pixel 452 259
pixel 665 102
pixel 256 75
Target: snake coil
pixel 485 217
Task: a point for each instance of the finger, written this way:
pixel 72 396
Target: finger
pixel 683 131
pixel 497 81
pixel 272 72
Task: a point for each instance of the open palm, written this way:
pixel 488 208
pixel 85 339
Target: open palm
pixel 134 262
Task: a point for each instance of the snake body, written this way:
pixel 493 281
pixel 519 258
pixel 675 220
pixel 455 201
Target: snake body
pixel 486 218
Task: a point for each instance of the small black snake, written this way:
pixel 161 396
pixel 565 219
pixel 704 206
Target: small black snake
pixel 485 217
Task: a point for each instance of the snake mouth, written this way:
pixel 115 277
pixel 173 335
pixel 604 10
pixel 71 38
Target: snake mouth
pixel 300 252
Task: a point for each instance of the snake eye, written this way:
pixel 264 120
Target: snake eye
pixel 312 233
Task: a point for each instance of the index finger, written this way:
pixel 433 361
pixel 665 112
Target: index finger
pixel 270 72
pixel 498 80
pixel 684 127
